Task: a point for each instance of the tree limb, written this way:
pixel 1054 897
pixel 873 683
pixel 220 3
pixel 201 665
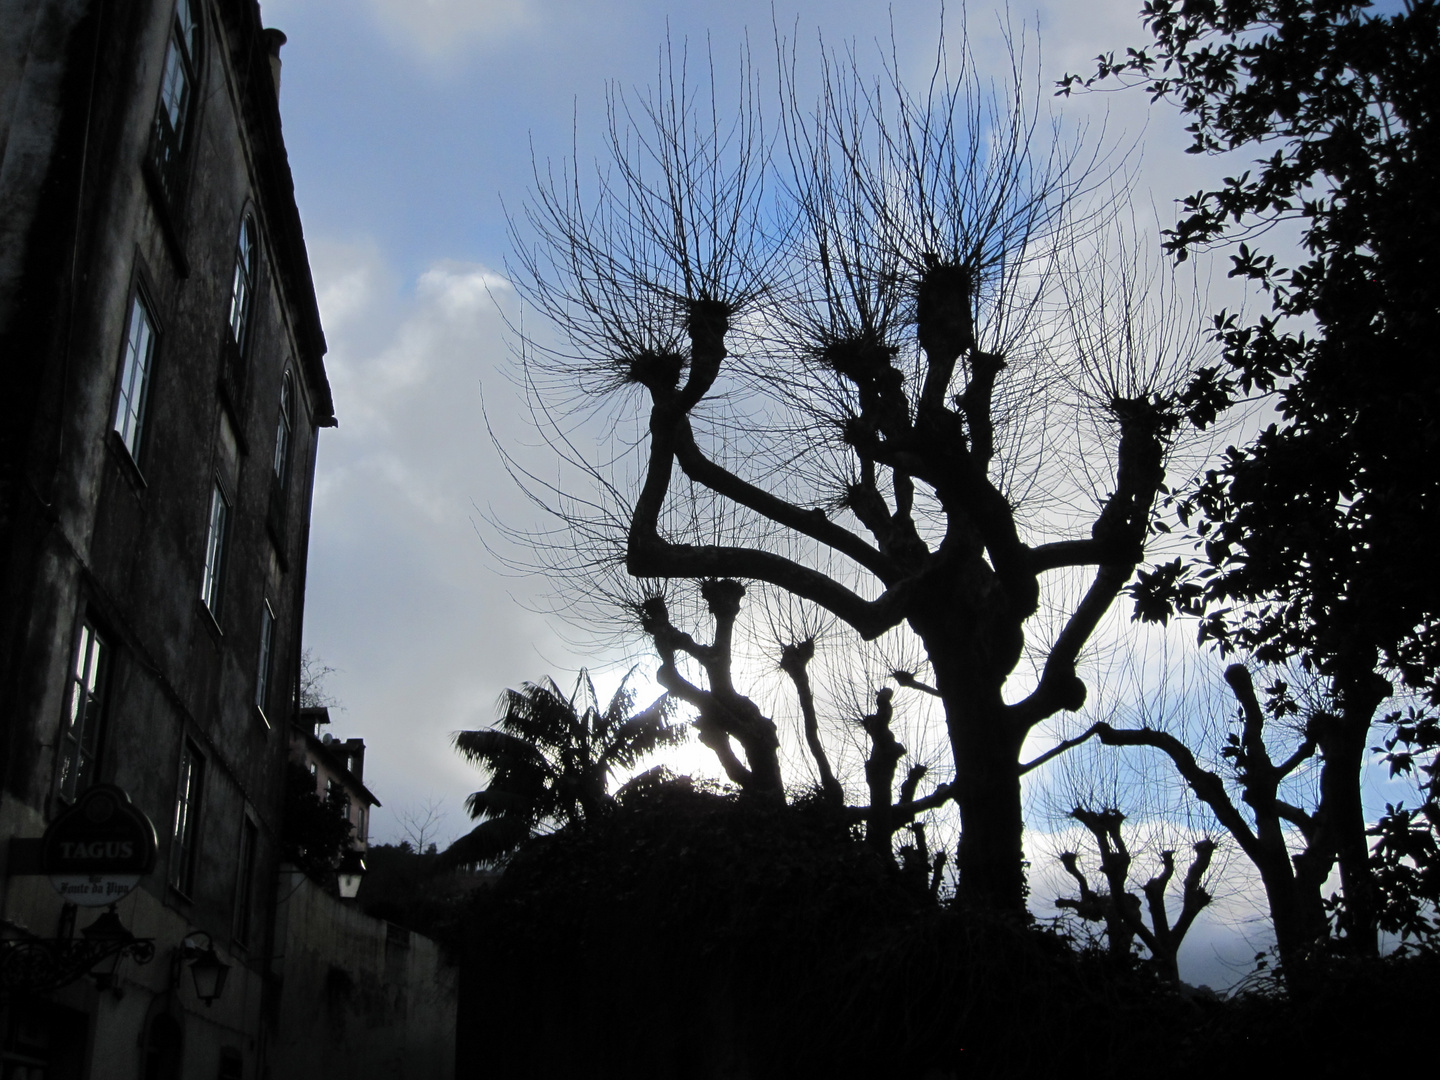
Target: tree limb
pixel 794 661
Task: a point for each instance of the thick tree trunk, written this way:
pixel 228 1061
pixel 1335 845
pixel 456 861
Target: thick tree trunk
pixel 973 639
pixel 1294 932
pixel 1343 741
pixel 989 857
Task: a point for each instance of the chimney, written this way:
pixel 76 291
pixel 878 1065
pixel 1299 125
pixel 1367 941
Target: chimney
pixel 312 717
pixel 273 40
pixel 355 751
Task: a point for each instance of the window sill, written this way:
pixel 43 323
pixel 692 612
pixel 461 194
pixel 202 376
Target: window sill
pixel 126 462
pixel 265 720
pixel 211 622
pixel 231 387
pixel 176 893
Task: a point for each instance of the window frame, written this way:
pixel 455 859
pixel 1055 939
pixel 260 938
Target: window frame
pixel 185 826
pixel 135 376
pixel 173 126
pixel 91 661
pixel 265 661
pixel 243 282
pixel 217 530
pixel 245 881
pixel 284 432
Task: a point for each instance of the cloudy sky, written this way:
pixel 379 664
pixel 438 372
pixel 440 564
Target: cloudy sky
pixel 411 125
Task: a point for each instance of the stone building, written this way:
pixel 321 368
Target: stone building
pixel 164 387
pixel 337 768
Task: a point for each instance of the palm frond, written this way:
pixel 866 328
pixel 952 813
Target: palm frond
pixel 495 749
pixel 539 714
pixel 497 801
pixel 488 841
pixel 622 701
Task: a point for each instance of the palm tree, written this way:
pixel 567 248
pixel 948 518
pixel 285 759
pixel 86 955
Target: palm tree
pixel 551 759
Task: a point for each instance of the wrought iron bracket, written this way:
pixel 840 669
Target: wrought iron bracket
pixel 35 965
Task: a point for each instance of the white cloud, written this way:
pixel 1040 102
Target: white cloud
pixel 423 627
pixel 442 29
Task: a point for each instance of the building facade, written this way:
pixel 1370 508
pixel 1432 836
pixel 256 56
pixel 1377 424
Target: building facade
pixel 164 389
pixel 336 768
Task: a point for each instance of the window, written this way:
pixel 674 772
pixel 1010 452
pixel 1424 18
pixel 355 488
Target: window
pixel 242 290
pixel 284 430
pixel 245 885
pixel 183 844
pixel 177 92
pixel 139 350
pixel 80 739
pixel 163 1046
pixel 215 550
pixel 267 641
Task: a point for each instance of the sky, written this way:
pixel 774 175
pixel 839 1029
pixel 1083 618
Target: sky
pixel 411 126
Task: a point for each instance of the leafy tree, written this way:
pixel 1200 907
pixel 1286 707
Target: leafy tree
pixel 1315 536
pixel 855 403
pixel 1407 851
pixel 316 831
pixel 551 759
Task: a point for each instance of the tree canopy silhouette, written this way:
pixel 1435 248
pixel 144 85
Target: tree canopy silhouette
pixel 886 377
pixel 1315 539
pixel 551 759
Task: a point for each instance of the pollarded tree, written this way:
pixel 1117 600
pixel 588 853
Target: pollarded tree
pixel 858 363
pixel 551 759
pixel 1121 910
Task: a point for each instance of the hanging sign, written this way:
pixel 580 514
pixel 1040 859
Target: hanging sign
pixel 98 850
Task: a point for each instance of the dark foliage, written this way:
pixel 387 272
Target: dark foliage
pixel 696 933
pixel 1339 1029
pixel 316 831
pixel 412 889
pixel 1407 854
pixel 1315 518
pixel 1314 540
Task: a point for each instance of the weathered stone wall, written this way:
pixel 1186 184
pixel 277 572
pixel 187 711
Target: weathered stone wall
pixel 358 996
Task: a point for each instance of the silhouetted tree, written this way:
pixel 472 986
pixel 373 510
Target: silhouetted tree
pixel 1122 911
pixel 316 829
pixel 855 388
pixel 551 759
pixel 1315 536
pixel 313 675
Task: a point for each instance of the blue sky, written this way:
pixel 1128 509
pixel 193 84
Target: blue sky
pixel 407 122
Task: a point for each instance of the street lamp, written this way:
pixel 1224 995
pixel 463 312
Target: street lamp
pixel 349 873
pixel 107 939
pixel 206 967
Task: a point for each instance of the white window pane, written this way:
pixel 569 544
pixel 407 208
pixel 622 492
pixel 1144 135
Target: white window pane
pixel 243 286
pixel 134 376
pixel 215 551
pixel 80 739
pixel 282 432
pixel 262 677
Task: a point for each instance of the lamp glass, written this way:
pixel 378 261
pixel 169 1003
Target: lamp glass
pixel 349 873
pixel 209 973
